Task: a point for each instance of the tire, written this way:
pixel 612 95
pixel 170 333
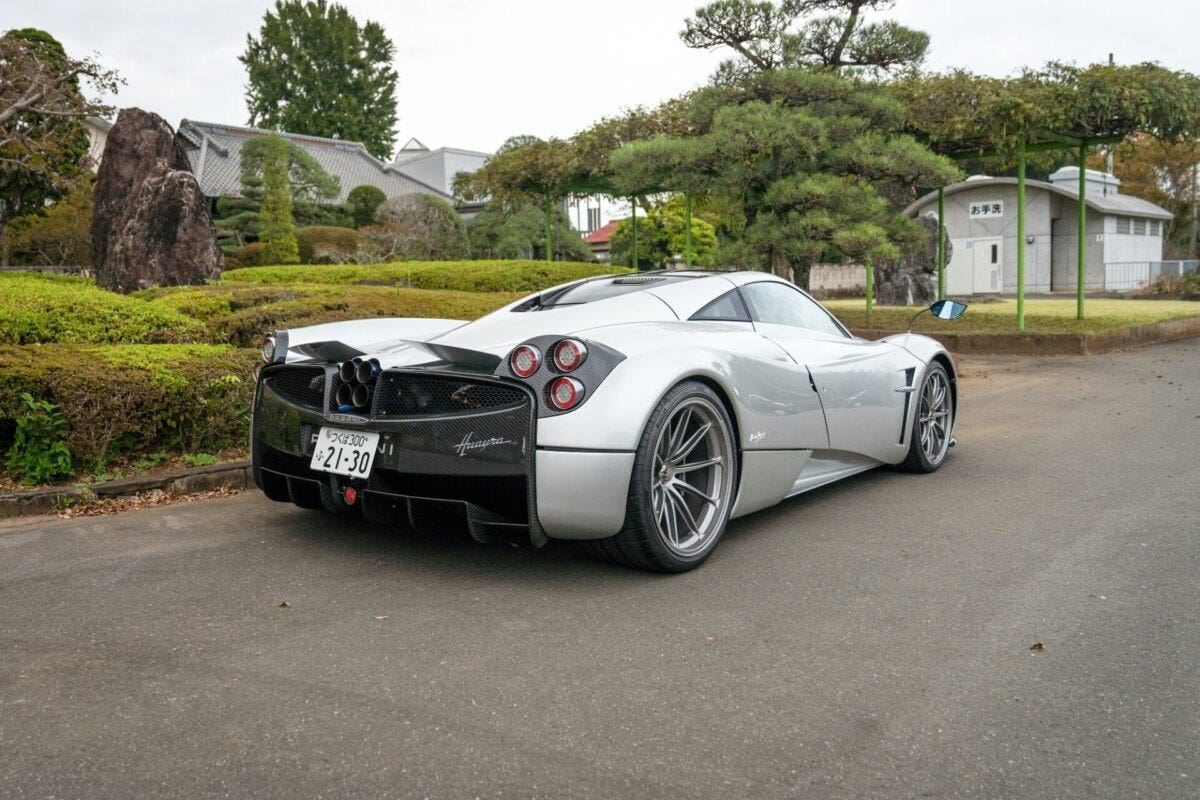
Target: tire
pixel 682 486
pixel 933 423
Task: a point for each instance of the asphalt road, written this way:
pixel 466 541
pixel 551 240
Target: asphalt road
pixel 868 640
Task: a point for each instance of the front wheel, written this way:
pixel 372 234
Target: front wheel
pixel 682 487
pixel 933 423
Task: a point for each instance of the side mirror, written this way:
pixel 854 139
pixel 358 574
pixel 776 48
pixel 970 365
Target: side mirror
pixel 947 309
pixel 942 309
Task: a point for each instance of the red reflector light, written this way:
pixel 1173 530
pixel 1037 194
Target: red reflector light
pixel 349 495
pixel 565 393
pixel 569 354
pixel 525 360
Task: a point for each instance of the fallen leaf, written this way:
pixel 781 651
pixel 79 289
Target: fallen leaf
pixel 285 604
pixel 381 616
pixel 1038 646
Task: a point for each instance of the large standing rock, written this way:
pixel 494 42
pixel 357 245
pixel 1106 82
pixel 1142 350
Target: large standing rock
pixel 912 281
pixel 151 224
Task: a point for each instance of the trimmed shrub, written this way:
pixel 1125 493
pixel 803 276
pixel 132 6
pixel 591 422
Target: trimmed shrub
pixel 465 276
pixel 363 201
pixel 127 398
pixel 325 244
pixel 61 309
pixel 415 226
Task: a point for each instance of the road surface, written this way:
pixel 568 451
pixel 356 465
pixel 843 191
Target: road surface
pixel 871 639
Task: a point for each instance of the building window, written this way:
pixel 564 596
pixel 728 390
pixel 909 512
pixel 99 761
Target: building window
pixel 1155 228
pixel 1139 227
pixel 1122 224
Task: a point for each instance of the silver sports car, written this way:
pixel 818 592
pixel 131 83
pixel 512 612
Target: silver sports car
pixel 639 413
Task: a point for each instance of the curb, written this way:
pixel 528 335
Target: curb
pixel 180 481
pixel 1056 344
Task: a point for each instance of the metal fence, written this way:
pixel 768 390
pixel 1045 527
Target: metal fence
pixel 1129 276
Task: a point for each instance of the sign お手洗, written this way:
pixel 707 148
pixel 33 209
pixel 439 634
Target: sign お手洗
pixel 986 209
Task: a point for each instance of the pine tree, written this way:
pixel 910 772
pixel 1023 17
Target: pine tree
pixel 277 229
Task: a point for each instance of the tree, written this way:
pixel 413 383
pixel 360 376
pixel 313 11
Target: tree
pixel 277 228
pixel 307 180
pixel 59 236
pixel 363 202
pixel 662 236
pixel 518 231
pixel 416 227
pixel 43 143
pixel 314 70
pixel 816 161
pixel 786 34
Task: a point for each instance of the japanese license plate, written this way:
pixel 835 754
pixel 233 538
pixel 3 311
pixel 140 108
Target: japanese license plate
pixel 345 452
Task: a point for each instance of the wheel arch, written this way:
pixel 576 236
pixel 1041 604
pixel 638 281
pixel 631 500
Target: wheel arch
pixel 947 363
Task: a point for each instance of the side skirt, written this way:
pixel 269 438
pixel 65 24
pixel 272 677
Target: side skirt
pixel 827 466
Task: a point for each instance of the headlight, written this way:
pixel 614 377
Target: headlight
pixel 268 349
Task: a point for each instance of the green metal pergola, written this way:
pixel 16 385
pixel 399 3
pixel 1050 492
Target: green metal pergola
pixel 1041 142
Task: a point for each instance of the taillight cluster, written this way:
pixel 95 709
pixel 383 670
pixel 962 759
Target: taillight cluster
pixel 563 392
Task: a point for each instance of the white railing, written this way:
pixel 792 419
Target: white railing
pixel 1129 276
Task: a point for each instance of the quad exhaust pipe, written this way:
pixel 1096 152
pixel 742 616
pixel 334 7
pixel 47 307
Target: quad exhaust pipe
pixel 357 383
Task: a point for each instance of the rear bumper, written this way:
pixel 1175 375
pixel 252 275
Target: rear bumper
pixel 481 467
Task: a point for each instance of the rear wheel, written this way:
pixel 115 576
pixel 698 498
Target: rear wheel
pixel 933 423
pixel 681 490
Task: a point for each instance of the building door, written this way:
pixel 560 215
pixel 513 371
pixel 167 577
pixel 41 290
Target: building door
pixel 960 272
pixel 986 261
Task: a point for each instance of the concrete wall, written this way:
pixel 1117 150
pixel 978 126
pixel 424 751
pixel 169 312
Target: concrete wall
pixel 439 168
pixel 1066 265
pixel 837 280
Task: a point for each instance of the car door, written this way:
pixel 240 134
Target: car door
pixel 864 386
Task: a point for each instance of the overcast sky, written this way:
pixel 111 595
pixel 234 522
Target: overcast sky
pixel 473 72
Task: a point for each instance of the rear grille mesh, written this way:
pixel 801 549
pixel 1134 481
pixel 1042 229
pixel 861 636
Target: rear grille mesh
pixel 304 386
pixel 404 395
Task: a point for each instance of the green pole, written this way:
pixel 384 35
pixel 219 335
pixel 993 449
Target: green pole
pixel 1021 234
pixel 687 222
pixel 941 243
pixel 633 211
pixel 549 235
pixel 1082 266
pixel 870 288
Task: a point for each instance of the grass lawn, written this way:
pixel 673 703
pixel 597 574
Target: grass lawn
pixel 1041 315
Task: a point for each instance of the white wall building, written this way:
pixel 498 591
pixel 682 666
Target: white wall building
pixel 1123 233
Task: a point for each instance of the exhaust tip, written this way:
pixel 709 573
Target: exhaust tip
pixel 361 396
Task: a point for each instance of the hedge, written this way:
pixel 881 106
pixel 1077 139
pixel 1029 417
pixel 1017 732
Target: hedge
pixel 466 276
pixel 240 315
pixel 319 244
pixel 124 398
pixel 38 309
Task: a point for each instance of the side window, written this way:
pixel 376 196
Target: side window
pixel 778 304
pixel 728 307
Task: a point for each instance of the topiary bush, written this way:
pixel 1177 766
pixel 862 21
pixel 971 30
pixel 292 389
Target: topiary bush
pixel 363 201
pixel 37 309
pixel 326 244
pixel 464 276
pixel 125 398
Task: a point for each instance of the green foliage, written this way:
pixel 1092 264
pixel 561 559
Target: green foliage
pixel 662 235
pixel 277 229
pixel 519 231
pixel 465 276
pixel 49 308
pixel 42 155
pixel 415 227
pixel 198 459
pixel 59 235
pixel 314 69
pixel 363 201
pixel 39 453
pixel 307 180
pixel 325 244
pixel 768 35
pixel 128 399
pixel 962 112
pixel 808 157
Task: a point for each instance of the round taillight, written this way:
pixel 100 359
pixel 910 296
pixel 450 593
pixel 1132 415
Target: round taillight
pixel 525 360
pixel 565 393
pixel 268 349
pixel 569 354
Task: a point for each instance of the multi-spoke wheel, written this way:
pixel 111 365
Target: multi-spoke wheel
pixel 933 422
pixel 682 487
